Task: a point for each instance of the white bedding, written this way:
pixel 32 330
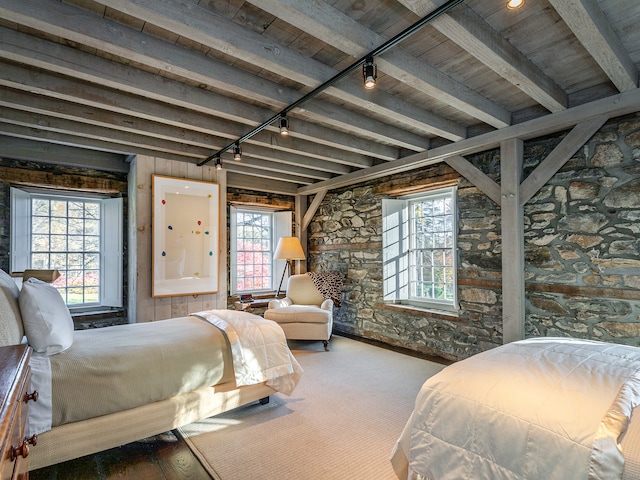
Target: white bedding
pixel 545 408
pixel 259 353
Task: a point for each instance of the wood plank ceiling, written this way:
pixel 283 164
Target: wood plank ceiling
pixel 95 81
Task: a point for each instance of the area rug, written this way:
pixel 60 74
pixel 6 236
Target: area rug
pixel 340 423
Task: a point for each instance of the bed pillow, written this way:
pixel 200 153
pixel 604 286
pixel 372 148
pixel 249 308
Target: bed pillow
pixel 47 321
pixel 11 330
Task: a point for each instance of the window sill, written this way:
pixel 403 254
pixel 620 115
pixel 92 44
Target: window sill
pixel 423 311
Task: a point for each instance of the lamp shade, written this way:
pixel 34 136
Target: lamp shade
pixel 289 248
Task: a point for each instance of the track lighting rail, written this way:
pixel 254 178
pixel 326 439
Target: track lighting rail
pixel 406 33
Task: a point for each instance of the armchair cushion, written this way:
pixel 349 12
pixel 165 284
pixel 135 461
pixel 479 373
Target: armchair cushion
pixel 302 291
pixel 280 303
pixel 299 314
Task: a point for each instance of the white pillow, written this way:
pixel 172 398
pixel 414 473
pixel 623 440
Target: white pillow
pixel 47 322
pixel 11 330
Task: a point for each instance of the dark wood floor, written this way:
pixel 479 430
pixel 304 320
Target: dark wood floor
pixel 163 457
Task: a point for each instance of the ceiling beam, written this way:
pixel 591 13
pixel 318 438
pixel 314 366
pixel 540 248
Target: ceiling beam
pixel 615 105
pixel 466 28
pixel 247 182
pixel 31 150
pixel 115 39
pixel 330 25
pixel 588 23
pixel 187 121
pixel 41 113
pixel 200 25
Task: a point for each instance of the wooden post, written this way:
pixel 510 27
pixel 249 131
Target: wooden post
pixel 300 231
pixel 513 301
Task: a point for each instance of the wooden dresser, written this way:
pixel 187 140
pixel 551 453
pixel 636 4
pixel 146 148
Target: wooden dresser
pixel 14 397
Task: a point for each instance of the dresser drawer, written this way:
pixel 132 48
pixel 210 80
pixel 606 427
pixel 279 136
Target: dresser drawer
pixel 15 377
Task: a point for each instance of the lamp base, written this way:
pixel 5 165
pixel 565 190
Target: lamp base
pixel 284 271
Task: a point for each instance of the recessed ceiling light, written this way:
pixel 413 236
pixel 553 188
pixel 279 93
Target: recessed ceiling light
pixel 513 4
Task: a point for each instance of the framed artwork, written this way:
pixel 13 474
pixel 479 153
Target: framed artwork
pixel 185 220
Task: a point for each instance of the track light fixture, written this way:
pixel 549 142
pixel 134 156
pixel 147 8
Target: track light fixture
pixel 369 73
pixel 284 125
pixel 218 163
pixel 237 152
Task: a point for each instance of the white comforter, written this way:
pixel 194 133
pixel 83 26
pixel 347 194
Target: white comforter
pixel 545 408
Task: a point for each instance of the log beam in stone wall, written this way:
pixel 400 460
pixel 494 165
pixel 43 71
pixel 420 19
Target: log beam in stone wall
pixel 63 181
pixel 577 290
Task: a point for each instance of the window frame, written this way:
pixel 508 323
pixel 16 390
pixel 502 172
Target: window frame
pixel 281 222
pixel 111 241
pixel 397 251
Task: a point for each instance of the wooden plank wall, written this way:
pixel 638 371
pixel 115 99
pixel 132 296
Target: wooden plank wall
pixel 142 306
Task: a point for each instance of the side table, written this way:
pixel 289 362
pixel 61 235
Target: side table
pixel 253 304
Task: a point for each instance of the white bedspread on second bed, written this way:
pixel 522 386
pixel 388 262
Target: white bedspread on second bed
pixel 539 408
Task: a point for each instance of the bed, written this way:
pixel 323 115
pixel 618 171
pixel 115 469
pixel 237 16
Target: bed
pixel 542 408
pixel 106 387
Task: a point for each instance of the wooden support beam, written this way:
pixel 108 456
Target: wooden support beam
pixel 621 104
pixel 569 145
pixel 589 24
pixel 469 30
pixel 476 176
pixel 247 182
pixel 312 209
pixel 513 302
pixel 300 231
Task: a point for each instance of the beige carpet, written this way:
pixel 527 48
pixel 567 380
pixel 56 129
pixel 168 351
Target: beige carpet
pixel 340 423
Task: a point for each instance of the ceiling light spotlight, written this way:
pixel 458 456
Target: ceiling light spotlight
pixel 218 163
pixel 284 125
pixel 369 73
pixel 513 4
pixel 237 153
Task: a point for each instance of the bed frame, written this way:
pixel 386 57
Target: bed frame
pixel 74 440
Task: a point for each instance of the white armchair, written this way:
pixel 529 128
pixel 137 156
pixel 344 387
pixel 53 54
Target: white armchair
pixel 304 314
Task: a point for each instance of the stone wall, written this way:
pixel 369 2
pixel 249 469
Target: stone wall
pixel 582 242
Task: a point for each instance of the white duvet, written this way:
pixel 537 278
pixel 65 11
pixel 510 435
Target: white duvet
pixel 545 408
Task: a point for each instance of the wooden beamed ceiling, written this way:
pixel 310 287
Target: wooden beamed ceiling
pixel 180 80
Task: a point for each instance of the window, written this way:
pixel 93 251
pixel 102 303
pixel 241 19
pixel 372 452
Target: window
pixel 419 250
pixel 80 236
pixel 254 235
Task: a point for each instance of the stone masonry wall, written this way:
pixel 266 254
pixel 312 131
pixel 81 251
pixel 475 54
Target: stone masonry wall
pixel 582 247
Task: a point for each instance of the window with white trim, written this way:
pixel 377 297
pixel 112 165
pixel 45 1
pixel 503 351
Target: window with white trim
pixel 419 250
pixel 254 235
pixel 78 235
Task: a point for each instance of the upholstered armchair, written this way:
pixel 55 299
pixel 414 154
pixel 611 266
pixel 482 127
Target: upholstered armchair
pixel 304 314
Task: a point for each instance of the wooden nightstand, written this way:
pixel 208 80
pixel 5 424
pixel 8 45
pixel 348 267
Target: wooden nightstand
pixel 15 374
